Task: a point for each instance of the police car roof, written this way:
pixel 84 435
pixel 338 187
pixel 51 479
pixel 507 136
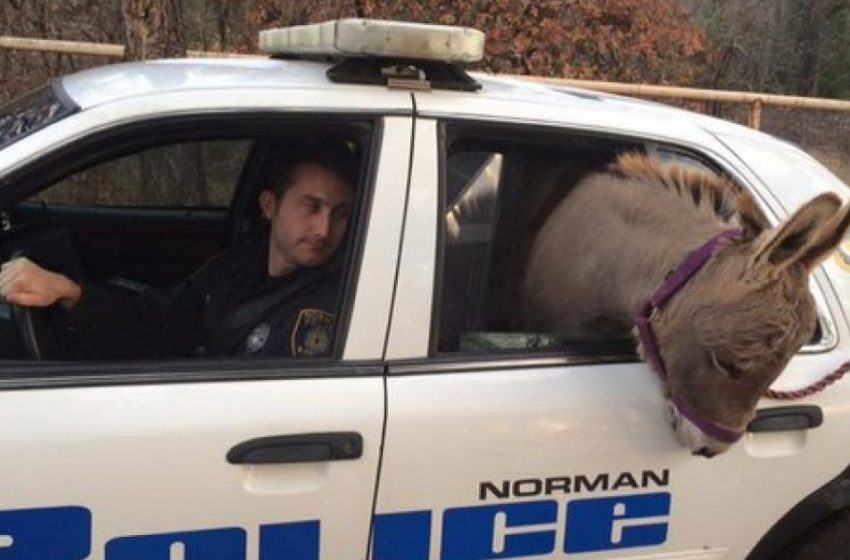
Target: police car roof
pixel 105 84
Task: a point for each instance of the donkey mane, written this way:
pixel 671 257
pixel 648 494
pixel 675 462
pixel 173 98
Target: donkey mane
pixel 706 192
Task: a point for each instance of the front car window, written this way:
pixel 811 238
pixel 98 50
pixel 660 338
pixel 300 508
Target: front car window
pixel 171 244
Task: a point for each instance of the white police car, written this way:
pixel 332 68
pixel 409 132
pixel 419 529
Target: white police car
pixel 421 437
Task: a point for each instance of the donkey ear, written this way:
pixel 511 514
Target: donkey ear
pixel 803 236
pixel 828 238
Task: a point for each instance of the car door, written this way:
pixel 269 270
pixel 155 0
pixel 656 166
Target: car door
pixel 501 444
pixel 208 459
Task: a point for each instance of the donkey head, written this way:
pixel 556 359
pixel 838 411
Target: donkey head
pixel 727 335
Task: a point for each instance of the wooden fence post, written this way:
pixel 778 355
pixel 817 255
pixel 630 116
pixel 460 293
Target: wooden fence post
pixel 755 114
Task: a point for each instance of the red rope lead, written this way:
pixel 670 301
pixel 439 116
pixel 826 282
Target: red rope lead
pixel 815 387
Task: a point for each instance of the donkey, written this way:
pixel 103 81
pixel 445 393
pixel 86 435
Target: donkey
pixel 728 327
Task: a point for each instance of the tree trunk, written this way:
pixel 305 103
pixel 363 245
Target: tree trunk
pixel 810 21
pixel 222 19
pixel 153 29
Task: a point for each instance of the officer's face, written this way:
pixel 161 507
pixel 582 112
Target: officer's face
pixel 309 221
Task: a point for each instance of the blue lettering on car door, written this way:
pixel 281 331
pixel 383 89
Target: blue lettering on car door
pixel 211 544
pixel 619 522
pixel 499 531
pixel 402 536
pixel 56 533
pixel 290 541
pixel 505 530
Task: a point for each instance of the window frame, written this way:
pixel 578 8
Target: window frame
pixel 614 351
pixel 123 139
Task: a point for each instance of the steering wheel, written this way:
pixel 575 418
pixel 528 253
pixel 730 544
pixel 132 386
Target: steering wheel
pixel 43 337
pixel 37 331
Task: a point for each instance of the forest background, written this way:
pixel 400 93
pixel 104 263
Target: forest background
pixel 795 47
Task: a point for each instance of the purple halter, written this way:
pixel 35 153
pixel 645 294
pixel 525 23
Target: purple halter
pixel 690 266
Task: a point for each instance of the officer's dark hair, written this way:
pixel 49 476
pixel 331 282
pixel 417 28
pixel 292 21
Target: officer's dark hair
pixel 338 157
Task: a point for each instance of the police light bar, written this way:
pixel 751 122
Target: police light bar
pixel 353 37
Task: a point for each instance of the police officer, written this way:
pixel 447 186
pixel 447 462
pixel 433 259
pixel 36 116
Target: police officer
pixel 273 293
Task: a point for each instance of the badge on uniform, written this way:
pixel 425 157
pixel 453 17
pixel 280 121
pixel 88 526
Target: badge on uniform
pixel 311 335
pixel 258 338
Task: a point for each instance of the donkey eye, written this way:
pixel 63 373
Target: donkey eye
pixel 726 368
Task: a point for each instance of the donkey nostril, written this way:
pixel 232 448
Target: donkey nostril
pixel 705 452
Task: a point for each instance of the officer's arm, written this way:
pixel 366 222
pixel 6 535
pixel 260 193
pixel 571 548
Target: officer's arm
pixel 24 283
pixel 152 324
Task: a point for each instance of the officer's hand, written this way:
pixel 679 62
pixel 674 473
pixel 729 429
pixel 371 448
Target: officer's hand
pixel 22 282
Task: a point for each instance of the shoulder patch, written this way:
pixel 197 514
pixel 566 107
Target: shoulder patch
pixel 311 335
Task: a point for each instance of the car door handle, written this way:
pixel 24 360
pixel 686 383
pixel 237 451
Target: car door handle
pixel 786 418
pixel 297 448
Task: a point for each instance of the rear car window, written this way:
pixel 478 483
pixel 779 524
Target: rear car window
pixel 498 188
pixel 33 111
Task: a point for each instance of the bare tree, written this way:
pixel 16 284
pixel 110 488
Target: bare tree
pixel 223 9
pixel 810 20
pixel 153 29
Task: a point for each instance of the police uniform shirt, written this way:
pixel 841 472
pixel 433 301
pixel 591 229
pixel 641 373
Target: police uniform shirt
pixel 230 306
